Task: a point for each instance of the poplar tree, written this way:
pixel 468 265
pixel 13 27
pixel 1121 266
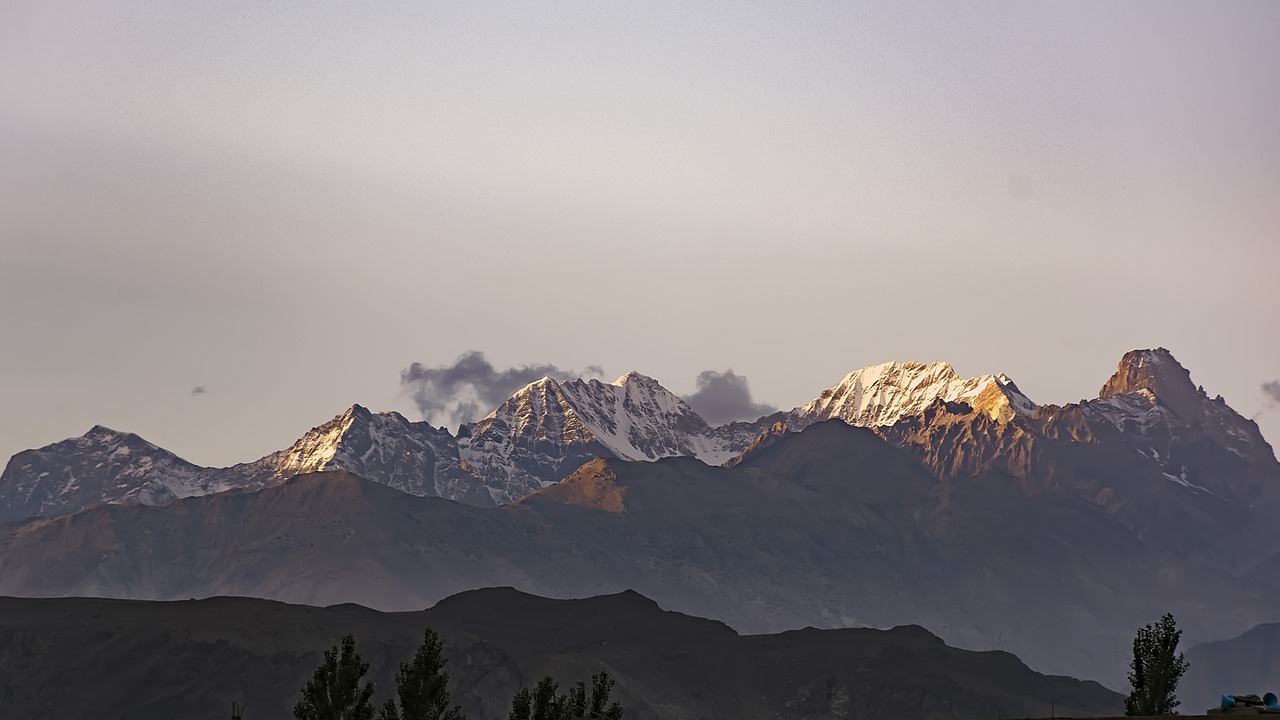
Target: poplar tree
pixel 334 691
pixel 544 704
pixel 1156 669
pixel 422 686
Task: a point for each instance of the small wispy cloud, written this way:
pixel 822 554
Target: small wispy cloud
pixel 1271 391
pixel 197 390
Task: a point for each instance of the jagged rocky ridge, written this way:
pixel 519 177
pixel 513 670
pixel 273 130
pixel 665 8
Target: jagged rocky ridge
pixel 956 426
pixel 535 438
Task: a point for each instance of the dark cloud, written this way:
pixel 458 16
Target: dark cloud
pixel 197 390
pixel 724 397
pixel 1271 390
pixel 471 387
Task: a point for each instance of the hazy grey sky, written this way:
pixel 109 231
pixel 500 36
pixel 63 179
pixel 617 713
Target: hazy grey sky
pixel 287 203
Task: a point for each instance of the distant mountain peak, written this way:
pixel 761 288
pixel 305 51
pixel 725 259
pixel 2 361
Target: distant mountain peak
pixel 547 429
pixel 1152 392
pixel 544 381
pixel 634 377
pixel 102 431
pixel 103 465
pixel 103 437
pixel 878 395
pixel 358 410
pixel 1155 370
pixel 387 448
pixel 1159 378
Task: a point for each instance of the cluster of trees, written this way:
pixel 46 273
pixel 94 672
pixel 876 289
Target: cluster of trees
pixel 543 703
pixel 337 691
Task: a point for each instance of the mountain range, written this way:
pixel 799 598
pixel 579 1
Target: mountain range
pixel 959 504
pixel 550 427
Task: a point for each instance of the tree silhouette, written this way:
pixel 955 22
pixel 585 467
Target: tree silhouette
pixel 422 686
pixel 1156 668
pixel 544 704
pixel 334 691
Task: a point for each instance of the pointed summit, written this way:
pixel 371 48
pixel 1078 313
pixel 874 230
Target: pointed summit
pixel 542 382
pixel 386 448
pixel 633 377
pixel 1157 372
pixel 1152 395
pixel 103 432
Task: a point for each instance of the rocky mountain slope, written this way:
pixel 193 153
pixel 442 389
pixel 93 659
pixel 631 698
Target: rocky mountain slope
pixel 79 657
pixel 830 527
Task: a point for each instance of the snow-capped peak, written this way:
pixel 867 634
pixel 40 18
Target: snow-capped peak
pixel 315 450
pixel 882 394
pixel 550 427
pixel 103 432
pixel 385 447
pixel 634 417
pixel 633 377
pixel 103 465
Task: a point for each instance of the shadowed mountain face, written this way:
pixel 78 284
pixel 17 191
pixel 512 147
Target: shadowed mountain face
pixel 830 527
pixel 1248 663
pixel 79 657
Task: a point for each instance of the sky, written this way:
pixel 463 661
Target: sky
pixel 222 223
